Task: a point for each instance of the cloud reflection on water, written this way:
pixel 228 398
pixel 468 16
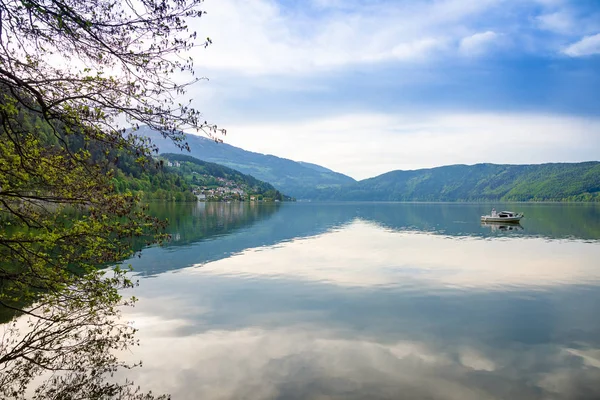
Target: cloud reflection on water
pixel 363 254
pixel 264 364
pixel 363 311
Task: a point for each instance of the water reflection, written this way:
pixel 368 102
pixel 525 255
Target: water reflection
pixel 496 227
pixel 553 221
pixel 288 364
pixel 376 301
pixel 362 254
pixel 207 232
pixel 191 223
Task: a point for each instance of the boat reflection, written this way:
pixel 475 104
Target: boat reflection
pixel 503 226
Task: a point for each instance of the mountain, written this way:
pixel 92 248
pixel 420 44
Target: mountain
pixel 293 178
pixel 480 182
pixel 198 174
pixel 314 167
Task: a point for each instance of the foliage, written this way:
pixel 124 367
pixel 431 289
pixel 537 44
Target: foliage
pixel 150 182
pixel 61 219
pixel 202 173
pixel 481 182
pixel 75 341
pixel 69 71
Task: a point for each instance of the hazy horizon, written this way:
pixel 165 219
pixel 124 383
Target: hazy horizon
pixel 412 169
pixel 370 87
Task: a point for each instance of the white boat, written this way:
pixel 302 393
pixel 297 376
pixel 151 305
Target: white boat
pixel 502 216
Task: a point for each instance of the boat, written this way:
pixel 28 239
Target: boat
pixel 502 216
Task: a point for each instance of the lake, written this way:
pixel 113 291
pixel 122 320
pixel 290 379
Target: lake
pixel 370 300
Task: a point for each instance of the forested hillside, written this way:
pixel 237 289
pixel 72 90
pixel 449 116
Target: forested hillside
pixel 130 172
pixel 152 182
pixel 198 173
pixel 480 182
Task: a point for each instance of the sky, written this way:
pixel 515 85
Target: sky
pixel 366 87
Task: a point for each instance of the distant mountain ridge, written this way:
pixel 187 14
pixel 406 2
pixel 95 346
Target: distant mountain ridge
pixel 293 178
pixel 479 182
pixel 315 167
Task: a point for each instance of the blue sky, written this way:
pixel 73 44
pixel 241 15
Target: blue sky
pixel 364 87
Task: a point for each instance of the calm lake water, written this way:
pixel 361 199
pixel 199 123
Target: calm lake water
pixel 364 300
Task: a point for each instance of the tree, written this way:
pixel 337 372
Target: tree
pixel 60 128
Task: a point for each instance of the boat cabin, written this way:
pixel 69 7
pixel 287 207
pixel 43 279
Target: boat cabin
pixel 502 216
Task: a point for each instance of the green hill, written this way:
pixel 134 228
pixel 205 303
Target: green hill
pixel 202 174
pixel 294 178
pixel 480 182
pixel 152 182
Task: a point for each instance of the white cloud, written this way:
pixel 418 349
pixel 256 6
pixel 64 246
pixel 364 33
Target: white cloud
pixel 478 43
pixel 560 21
pixel 365 145
pixel 268 37
pixel 414 50
pixel 260 37
pixel 587 46
pixel 280 47
pixel 328 4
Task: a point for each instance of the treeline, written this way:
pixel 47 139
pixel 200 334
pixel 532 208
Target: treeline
pixel 153 184
pixel 480 182
pixel 151 180
pixel 131 171
pixel 196 172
